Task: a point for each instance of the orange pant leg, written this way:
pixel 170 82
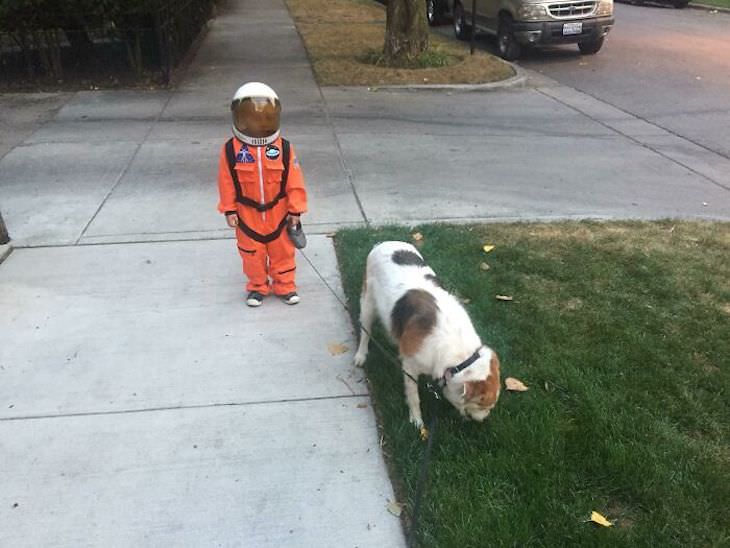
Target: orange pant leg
pixel 283 264
pixel 255 263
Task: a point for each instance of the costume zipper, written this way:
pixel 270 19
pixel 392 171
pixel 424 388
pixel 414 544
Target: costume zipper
pixel 261 180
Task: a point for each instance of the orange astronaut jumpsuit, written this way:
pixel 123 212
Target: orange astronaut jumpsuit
pixel 263 184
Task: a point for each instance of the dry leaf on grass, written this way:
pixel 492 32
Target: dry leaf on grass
pixel 515 385
pixel 395 508
pixel 337 348
pixel 417 236
pixel 487 248
pixel 484 266
pixel 465 301
pixel 503 297
pixel 423 431
pixel 600 520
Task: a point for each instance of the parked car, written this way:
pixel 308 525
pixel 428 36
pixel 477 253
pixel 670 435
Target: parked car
pixel 436 10
pixel 526 23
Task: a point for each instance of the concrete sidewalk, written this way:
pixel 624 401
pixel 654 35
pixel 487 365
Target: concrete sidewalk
pixel 141 402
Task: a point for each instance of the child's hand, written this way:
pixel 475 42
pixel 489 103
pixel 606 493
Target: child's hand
pixel 293 220
pixel 232 220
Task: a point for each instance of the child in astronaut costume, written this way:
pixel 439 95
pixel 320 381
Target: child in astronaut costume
pixel 262 193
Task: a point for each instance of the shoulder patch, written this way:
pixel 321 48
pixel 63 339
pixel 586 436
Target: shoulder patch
pixel 405 257
pixel 272 152
pixel 244 156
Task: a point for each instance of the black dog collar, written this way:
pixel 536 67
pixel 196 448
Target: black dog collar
pixel 451 371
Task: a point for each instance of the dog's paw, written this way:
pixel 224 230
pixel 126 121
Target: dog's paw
pixel 360 358
pixel 416 421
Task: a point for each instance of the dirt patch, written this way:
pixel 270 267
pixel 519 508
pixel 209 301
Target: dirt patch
pixel 341 36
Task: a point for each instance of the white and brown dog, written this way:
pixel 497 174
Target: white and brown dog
pixel 432 330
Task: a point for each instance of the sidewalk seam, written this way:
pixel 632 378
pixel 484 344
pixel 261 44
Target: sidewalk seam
pixel 126 168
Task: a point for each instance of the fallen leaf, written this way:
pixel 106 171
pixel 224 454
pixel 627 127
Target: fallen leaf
pixel 337 348
pixel 423 431
pixel 362 405
pixel 487 248
pixel 503 298
pixel 330 235
pixel 395 508
pixel 417 236
pixel 465 301
pixel 515 385
pixel 600 520
pixel 484 266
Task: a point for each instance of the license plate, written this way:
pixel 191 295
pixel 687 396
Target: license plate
pixel 572 28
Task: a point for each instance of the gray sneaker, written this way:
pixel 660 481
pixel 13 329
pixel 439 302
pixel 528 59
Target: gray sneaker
pixel 290 298
pixel 254 299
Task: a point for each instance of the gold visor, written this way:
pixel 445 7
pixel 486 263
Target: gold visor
pixel 256 116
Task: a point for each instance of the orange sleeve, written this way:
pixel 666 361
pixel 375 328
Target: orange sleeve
pixel 296 193
pixel 226 190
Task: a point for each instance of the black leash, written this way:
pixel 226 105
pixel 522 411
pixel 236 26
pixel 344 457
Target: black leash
pixel 422 477
pixel 433 387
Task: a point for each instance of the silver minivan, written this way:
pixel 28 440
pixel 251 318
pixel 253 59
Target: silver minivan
pixel 518 24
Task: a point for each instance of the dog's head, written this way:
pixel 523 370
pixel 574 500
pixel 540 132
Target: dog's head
pixel 475 393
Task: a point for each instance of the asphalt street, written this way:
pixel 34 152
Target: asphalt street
pixel 667 66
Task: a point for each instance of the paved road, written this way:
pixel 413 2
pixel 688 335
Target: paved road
pixel 670 67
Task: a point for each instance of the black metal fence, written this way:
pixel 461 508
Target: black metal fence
pixel 44 40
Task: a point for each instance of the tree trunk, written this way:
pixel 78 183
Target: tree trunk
pixel 406 29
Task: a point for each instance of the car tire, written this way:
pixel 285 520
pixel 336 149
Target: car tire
pixel 591 47
pixel 433 15
pixel 509 48
pixel 461 29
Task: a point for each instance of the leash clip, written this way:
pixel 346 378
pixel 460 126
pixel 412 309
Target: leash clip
pixel 434 389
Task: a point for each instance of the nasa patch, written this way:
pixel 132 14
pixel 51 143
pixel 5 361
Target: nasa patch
pixel 244 156
pixel 272 152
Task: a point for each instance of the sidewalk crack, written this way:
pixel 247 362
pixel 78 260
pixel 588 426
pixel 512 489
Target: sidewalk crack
pixel 124 171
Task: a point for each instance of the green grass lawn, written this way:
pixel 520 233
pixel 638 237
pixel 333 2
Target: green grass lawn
pixel 622 333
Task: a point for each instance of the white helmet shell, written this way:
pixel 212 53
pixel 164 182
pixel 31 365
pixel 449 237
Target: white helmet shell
pixel 252 90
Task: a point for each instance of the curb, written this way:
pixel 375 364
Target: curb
pixel 708 7
pixel 516 81
pixel 5 251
